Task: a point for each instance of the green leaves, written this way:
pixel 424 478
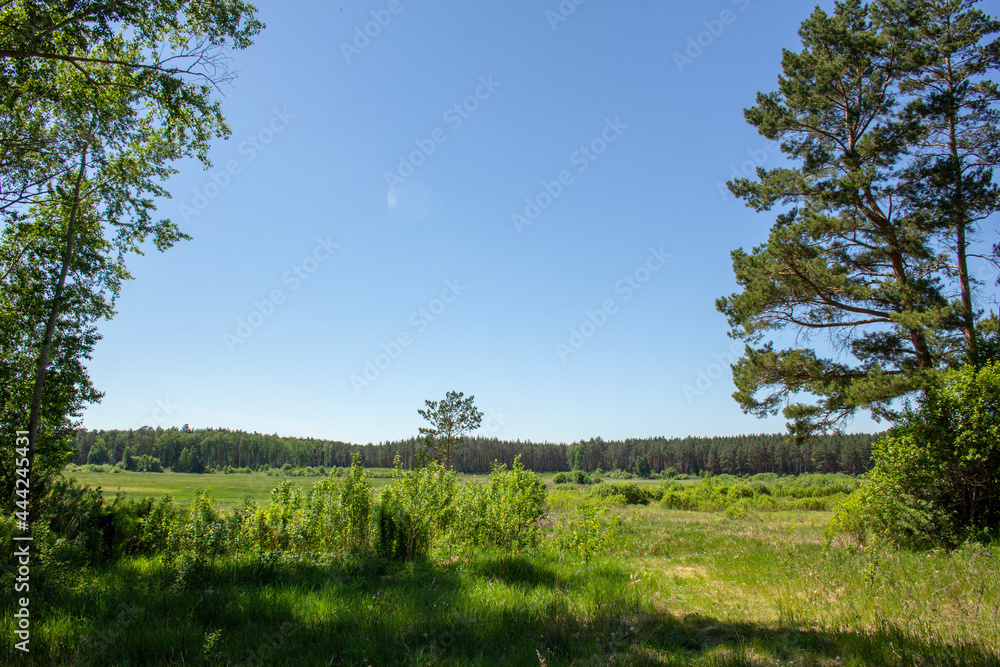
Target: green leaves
pixel 97 100
pixel 936 477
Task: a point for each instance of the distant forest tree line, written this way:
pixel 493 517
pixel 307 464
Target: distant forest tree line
pixel 187 450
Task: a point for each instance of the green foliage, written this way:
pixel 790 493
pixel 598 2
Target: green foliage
pixel 740 508
pixel 450 420
pixel 575 477
pixel 356 505
pixel 642 468
pixel 199 536
pixel 767 492
pixel 503 512
pixel 98 454
pixel 936 478
pixel 97 102
pixel 238 451
pixel 414 510
pixel 146 463
pixel 585 534
pixel 630 492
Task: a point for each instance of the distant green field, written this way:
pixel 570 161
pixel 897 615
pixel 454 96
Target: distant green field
pixel 227 490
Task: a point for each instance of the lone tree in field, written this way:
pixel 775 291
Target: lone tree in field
pixel 869 251
pixel 450 420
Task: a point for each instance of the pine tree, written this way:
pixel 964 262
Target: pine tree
pixel 852 260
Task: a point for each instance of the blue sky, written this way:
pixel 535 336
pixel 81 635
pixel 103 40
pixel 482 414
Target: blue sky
pixel 509 199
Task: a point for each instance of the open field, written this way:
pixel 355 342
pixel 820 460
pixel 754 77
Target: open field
pixel 227 490
pixel 666 587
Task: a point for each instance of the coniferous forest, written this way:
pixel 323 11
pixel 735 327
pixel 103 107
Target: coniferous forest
pixel 198 450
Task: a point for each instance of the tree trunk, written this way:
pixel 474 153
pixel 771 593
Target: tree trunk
pixel 41 367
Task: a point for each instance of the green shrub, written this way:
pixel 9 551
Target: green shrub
pixel 740 509
pixel 197 539
pixel 765 503
pixel 414 509
pixel 147 463
pixel 812 504
pixel 631 492
pixel 575 477
pixel 936 476
pixel 676 500
pixel 585 534
pixel 739 492
pixel 503 512
pixel 356 505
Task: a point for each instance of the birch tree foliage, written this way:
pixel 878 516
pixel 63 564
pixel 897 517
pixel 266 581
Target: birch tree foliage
pixel 98 100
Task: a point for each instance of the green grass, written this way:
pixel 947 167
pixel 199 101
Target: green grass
pixel 671 588
pixel 227 490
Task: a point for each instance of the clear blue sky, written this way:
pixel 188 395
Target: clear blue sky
pixel 366 222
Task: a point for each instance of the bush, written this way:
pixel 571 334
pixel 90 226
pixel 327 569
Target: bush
pixel 575 477
pixel 414 509
pixel 676 500
pixel 740 509
pixel 739 492
pixel 503 512
pixel 812 504
pixel 631 492
pixel 936 476
pixel 765 503
pixel 356 508
pixel 585 534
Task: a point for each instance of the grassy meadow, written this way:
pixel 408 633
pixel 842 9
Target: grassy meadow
pixel 610 584
pixel 227 490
